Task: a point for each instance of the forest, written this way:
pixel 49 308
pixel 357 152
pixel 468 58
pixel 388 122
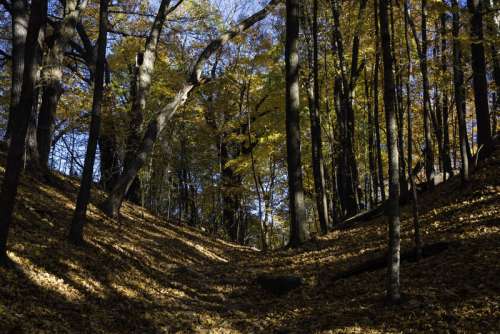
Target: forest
pixel 271 166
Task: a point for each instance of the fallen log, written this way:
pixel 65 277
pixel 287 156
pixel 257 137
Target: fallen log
pixel 381 261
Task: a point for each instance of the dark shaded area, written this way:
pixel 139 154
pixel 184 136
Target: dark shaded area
pixel 381 261
pixel 279 285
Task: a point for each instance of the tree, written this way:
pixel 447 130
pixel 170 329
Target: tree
pixel 348 171
pixel 20 119
pixel 392 206
pixel 77 224
pixel 295 187
pixel 52 75
pixel 459 92
pixel 140 85
pixel 480 85
pixel 314 113
pixel 380 169
pixel 426 108
pixel 115 198
pixel 411 176
pixel 19 17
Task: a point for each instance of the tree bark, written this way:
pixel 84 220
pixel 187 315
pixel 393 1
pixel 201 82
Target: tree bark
pixel 52 76
pixel 20 121
pixel 376 117
pixel 411 177
pixel 493 28
pixel 480 85
pixel 392 206
pixel 459 91
pixel 422 55
pixel 348 173
pixel 428 153
pixel 316 138
pixel 20 17
pixel 445 113
pixel 78 222
pixel 140 85
pixel 295 188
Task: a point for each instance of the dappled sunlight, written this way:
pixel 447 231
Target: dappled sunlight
pixel 45 279
pixel 144 273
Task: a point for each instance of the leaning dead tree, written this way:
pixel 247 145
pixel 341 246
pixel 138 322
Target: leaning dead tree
pixel 154 128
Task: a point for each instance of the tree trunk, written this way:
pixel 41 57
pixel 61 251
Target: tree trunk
pixel 373 179
pixel 109 160
pixel 113 203
pixel 480 85
pixel 19 15
pixel 392 208
pixel 78 222
pixel 398 108
pixel 376 117
pixel 411 176
pixel 141 82
pixel 444 68
pixel 316 138
pixel 349 184
pixel 295 189
pixel 20 121
pixel 493 28
pixel 428 153
pixel 459 91
pixel 52 76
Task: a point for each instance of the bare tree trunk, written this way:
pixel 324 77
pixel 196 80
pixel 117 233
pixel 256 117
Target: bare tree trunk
pixel 19 15
pixel 422 55
pixel 314 113
pixel 375 106
pixel 411 177
pixel 428 153
pixel 20 120
pixel 296 194
pixel 52 76
pixel 349 184
pixel 459 91
pixel 78 222
pixel 480 84
pixel 392 208
pixel 140 85
pixel 398 108
pixel 371 152
pixel 444 68
pixel 262 222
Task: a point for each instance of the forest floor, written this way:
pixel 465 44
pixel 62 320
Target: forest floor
pixel 141 274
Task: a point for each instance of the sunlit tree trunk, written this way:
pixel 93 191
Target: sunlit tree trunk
pixel 52 76
pixel 428 153
pixel 392 206
pixel 295 189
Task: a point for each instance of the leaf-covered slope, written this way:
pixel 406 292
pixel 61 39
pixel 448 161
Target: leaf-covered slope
pixel 143 275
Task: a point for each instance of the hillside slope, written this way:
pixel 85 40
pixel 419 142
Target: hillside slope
pixel 144 275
